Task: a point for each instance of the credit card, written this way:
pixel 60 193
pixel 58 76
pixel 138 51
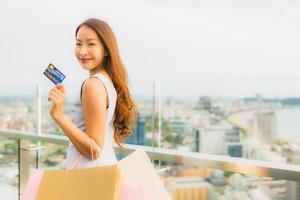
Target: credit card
pixel 54 74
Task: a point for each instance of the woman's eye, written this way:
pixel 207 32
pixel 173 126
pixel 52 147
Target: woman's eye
pixel 91 44
pixel 78 44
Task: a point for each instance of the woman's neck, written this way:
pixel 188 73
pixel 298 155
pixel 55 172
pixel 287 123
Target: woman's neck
pixel 97 71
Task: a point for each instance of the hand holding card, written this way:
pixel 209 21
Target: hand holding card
pixel 54 74
pixel 57 94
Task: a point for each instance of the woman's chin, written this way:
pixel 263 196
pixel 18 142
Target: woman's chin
pixel 85 67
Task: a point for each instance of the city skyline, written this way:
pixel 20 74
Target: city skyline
pixel 281 87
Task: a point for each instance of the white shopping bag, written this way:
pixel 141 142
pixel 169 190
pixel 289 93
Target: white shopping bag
pixel 137 170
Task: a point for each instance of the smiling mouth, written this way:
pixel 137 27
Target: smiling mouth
pixel 84 61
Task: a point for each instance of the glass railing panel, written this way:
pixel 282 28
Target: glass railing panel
pixel 9 170
pixel 174 175
pixel 18 111
pixel 52 156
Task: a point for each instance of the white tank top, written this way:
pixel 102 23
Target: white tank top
pixel 107 156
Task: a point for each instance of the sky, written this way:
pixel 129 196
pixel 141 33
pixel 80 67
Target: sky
pixel 210 46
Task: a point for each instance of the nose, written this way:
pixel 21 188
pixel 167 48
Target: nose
pixel 83 51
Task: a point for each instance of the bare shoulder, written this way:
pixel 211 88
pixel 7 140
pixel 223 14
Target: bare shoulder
pixel 93 87
pixel 92 84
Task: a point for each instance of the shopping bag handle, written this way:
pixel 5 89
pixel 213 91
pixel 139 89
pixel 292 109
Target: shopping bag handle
pixel 80 156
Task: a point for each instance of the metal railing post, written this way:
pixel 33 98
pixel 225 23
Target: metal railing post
pixel 19 169
pixel 39 122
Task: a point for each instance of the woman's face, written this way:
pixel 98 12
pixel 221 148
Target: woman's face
pixel 89 50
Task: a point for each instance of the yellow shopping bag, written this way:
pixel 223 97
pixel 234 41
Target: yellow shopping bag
pixel 78 184
pixel 94 183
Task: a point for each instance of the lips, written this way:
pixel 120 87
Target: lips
pixel 85 60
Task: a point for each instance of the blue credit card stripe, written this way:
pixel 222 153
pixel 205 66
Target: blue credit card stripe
pixel 53 76
pixel 55 73
pixel 50 76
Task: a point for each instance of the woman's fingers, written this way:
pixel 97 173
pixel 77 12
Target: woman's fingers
pixel 61 88
pixel 56 95
pixel 58 91
pixel 53 98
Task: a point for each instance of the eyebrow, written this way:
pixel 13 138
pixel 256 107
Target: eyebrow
pixel 87 39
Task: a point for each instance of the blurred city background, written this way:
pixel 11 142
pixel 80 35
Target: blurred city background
pixel 211 77
pixel 187 119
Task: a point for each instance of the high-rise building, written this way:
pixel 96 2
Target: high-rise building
pixel 266 125
pixel 233 146
pixel 232 135
pixel 204 103
pixel 212 141
pixel 138 132
pixel 235 149
pixel 180 126
pixel 197 140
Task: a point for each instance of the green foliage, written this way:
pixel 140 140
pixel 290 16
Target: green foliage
pixel 60 150
pixel 155 143
pixel 50 163
pixel 11 148
pixel 227 174
pixel 173 138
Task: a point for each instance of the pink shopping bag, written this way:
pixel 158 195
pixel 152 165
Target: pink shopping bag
pixel 32 185
pixel 133 193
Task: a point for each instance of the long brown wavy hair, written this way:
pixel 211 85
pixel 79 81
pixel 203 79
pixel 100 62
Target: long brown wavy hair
pixel 126 109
